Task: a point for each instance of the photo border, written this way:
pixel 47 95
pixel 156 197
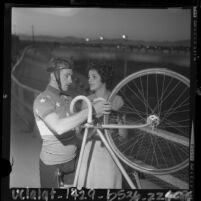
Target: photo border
pixel 6 192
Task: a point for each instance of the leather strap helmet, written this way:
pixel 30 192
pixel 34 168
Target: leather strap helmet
pixel 58 63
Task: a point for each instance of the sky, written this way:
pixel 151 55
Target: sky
pixel 137 24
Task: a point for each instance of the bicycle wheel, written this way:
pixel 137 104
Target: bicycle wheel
pixel 159 97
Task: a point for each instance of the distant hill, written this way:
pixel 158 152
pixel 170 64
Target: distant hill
pixel 71 39
pixel 52 38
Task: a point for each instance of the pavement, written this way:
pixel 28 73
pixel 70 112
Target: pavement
pixel 25 148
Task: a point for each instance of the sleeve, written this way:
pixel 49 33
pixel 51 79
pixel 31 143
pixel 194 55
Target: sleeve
pixel 117 103
pixel 43 106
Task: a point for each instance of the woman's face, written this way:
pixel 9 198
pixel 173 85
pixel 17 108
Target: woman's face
pixel 94 80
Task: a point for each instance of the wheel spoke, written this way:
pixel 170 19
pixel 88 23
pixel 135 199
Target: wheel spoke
pixel 147 111
pixel 123 110
pixel 170 109
pixel 142 101
pixel 142 94
pixel 174 110
pixel 157 104
pixel 171 91
pixel 164 159
pixel 175 127
pixel 170 151
pixel 131 145
pixel 160 104
pixel 140 144
pixel 133 107
pixel 161 100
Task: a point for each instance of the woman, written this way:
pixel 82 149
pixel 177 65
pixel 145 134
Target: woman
pixel 98 170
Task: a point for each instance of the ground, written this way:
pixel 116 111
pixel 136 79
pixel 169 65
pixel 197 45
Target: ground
pixel 25 149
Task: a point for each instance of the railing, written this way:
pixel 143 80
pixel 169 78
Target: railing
pixel 22 96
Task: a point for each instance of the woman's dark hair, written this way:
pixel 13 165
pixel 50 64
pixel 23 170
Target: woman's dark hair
pixel 104 70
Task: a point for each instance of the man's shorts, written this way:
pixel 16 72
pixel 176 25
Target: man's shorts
pixel 49 176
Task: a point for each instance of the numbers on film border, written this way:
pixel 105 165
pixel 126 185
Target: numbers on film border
pixel 82 194
pixel 103 194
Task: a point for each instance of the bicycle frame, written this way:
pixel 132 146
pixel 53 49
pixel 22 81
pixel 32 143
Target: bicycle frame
pixel 88 125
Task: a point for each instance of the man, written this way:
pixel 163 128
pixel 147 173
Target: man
pixel 56 125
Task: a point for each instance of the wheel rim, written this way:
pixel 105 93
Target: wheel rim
pixel 161 95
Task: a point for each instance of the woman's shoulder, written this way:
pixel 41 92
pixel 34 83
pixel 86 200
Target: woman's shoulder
pixel 117 102
pixel 118 98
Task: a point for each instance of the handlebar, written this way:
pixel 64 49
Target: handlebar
pixel 89 105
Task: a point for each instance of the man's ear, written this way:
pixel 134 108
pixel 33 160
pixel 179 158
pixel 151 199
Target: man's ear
pixel 52 76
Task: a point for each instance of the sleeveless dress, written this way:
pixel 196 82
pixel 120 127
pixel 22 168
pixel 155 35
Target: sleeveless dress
pixel 98 170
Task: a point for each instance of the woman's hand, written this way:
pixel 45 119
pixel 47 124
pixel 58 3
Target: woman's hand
pixel 106 108
pixel 102 107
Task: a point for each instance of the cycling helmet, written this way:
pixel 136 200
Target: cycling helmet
pixel 58 63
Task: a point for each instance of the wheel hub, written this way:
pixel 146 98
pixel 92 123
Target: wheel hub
pixel 153 120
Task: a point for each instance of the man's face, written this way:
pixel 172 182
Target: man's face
pixel 66 78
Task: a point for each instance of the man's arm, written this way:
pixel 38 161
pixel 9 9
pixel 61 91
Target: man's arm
pixel 44 108
pixel 66 124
